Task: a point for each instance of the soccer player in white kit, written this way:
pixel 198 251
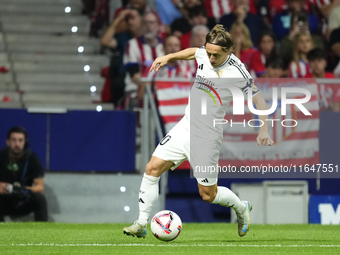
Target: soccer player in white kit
pixel 215 59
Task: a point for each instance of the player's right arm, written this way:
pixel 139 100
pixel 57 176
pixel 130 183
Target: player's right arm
pixel 186 54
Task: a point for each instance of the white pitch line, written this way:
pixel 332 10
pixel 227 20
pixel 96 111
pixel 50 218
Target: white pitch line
pixel 178 245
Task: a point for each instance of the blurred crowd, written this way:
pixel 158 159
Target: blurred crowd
pixel 273 38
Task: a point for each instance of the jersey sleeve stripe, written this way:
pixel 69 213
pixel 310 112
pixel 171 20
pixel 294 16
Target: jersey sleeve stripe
pixel 242 72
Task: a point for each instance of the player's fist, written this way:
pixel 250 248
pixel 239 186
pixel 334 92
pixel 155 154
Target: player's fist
pixel 264 139
pixel 159 63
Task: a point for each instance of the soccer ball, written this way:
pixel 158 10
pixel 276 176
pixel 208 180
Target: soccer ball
pixel 166 225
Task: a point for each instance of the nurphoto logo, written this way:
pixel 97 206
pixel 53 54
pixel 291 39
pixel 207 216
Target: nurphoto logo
pixel 238 103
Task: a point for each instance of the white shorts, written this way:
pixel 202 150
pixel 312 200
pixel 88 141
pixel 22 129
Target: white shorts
pixel 175 147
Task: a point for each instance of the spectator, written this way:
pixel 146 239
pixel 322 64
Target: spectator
pixel 174 69
pixel 299 24
pixel 181 25
pixel 325 7
pixel 329 95
pixel 198 34
pixel 139 5
pixel 317 60
pixel 142 8
pixel 118 42
pixel 264 11
pixel 217 8
pixel 100 17
pixel 168 11
pixel 245 51
pixel 298 67
pixel 196 16
pixel 282 21
pixel 21 178
pixel 185 5
pixel 334 17
pixel 275 7
pixel 275 68
pixel 334 43
pixel 241 13
pixel 278 6
pixel 139 55
pixel 197 39
pixel 267 45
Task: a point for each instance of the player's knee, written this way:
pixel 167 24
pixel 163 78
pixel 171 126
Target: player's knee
pixel 153 169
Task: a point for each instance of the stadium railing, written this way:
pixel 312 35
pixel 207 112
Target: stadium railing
pixel 151 125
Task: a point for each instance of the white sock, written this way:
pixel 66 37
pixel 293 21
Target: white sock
pixel 148 195
pixel 227 198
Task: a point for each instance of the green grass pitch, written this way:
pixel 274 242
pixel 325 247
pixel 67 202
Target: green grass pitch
pixel 196 238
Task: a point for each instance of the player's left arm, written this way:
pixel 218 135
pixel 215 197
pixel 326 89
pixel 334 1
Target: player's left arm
pixel 187 54
pixel 263 138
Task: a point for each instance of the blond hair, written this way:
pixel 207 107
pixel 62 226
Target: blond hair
pixel 247 43
pixel 296 50
pixel 218 36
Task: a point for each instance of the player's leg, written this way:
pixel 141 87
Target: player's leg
pixel 169 154
pixel 149 189
pixel 220 195
pixel 223 196
pixel 202 162
pixel 148 195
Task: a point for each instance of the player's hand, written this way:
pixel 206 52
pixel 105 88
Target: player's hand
pixel 264 139
pixel 159 63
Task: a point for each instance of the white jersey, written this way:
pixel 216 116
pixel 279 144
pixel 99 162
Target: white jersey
pixel 210 86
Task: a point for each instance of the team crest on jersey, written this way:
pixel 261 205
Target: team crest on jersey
pixel 254 87
pixel 219 74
